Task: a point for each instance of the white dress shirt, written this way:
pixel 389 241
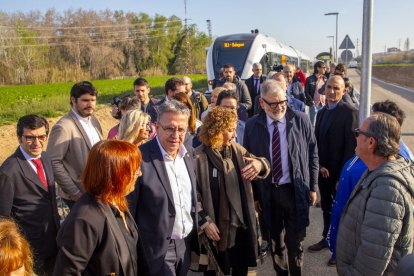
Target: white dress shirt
pixel 88 127
pixel 180 184
pixel 283 147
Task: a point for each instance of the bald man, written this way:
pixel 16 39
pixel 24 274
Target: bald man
pixel 334 127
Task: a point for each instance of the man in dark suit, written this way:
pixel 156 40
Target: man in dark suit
pixel 336 144
pixel 72 138
pixel 164 201
pixel 254 82
pixel 27 192
pixel 285 137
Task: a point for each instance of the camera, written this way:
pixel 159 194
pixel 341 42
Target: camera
pixel 278 68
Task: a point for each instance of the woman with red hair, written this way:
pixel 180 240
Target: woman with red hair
pixel 100 237
pixel 15 255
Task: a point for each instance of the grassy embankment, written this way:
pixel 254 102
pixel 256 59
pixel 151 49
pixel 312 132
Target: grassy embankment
pixel 52 100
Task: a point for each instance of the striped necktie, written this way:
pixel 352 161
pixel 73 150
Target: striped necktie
pixel 276 155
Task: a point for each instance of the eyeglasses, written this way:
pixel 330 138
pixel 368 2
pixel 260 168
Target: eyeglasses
pixel 275 104
pixel 172 130
pixel 357 132
pixel 32 138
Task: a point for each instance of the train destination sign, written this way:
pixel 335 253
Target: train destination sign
pixel 234 44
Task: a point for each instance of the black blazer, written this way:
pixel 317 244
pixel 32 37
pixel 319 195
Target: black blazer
pixel 152 203
pixel 253 93
pixel 336 143
pixel 91 242
pixel 24 198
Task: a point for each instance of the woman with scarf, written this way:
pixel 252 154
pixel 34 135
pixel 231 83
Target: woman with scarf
pixel 226 204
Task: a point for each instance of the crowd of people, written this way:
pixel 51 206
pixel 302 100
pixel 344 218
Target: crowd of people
pixel 185 183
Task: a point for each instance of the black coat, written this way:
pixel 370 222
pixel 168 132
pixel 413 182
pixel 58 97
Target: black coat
pixel 336 143
pixel 252 91
pixel 152 203
pixel 302 155
pixel 91 242
pixel 24 198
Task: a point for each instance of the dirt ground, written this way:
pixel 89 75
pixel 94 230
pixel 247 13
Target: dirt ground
pixel 8 138
pixel 402 75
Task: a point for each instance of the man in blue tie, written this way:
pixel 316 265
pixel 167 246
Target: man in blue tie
pixel 254 82
pixel 285 137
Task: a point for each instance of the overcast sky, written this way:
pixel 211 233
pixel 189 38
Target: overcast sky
pixel 299 23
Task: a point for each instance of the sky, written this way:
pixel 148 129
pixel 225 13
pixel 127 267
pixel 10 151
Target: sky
pixel 298 23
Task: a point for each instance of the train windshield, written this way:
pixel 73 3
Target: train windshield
pixel 230 52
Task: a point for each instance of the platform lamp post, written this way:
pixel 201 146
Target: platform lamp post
pixel 336 36
pixel 333 45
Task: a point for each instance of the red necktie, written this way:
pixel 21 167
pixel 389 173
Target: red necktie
pixel 40 172
pixel 276 155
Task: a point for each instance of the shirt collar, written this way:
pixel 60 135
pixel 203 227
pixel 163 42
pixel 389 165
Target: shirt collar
pixel 181 150
pixel 80 118
pixel 27 156
pixel 270 120
pixel 333 106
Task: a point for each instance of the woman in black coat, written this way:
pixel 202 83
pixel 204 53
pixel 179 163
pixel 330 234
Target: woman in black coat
pixel 100 237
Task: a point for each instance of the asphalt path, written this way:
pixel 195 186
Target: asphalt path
pixel 316 263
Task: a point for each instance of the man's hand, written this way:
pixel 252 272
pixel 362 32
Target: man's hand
pixel 252 169
pixel 212 232
pixel 312 198
pixel 324 172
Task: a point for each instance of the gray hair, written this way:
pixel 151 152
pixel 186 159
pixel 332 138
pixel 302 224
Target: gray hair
pixel 257 64
pixel 172 106
pixel 386 130
pixel 271 87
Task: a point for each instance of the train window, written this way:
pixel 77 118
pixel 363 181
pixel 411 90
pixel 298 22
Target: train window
pixel 231 52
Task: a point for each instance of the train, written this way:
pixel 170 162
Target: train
pixel 242 50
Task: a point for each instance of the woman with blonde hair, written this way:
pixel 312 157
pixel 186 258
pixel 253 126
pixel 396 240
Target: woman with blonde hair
pixel 214 95
pixel 226 205
pixel 135 127
pixel 15 256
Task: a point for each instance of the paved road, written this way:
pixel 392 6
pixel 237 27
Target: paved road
pixel 315 263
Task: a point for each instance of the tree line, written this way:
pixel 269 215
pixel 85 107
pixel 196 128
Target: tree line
pixel 79 44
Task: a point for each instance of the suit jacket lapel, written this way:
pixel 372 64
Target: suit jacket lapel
pixel 28 171
pixel 159 166
pixel 80 128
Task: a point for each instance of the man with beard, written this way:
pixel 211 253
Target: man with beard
pixel 285 137
pixel 71 140
pixel 241 88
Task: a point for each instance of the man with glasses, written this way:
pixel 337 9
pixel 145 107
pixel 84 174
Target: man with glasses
pixel 286 138
pixel 27 192
pixel 336 144
pixel 376 228
pixel 164 200
pixel 314 100
pixel 198 99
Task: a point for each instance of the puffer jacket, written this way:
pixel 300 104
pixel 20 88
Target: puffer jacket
pixel 376 228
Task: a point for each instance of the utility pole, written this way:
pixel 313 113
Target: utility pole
pixel 366 69
pixel 357 48
pixel 209 28
pixel 187 46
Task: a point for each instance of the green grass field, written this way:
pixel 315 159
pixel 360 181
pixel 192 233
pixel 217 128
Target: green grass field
pixel 52 100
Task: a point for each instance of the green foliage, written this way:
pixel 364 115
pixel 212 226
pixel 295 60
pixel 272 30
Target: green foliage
pixel 52 100
pixel 394 65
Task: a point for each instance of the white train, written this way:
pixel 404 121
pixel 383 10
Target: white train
pixel 242 50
